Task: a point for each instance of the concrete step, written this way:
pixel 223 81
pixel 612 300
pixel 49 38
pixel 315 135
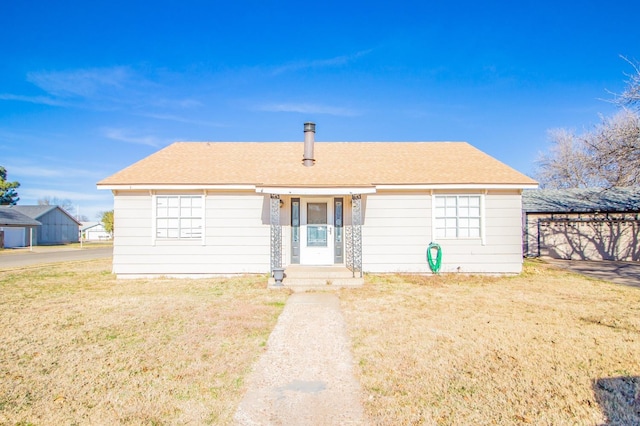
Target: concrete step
pixel 303 278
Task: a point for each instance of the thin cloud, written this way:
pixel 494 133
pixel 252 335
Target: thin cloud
pixel 306 108
pixel 122 135
pixel 39 172
pixel 42 100
pixel 22 170
pixel 169 117
pixel 102 89
pixel 320 63
pixel 83 83
pixel 97 88
pixel 40 193
pixel 179 103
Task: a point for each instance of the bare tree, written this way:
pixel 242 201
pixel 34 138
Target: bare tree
pixel 567 164
pixel 66 204
pixel 631 96
pixel 614 149
pixel 605 157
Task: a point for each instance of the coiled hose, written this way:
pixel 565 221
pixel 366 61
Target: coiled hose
pixel 434 265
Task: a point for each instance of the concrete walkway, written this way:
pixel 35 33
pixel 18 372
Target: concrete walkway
pixel 306 375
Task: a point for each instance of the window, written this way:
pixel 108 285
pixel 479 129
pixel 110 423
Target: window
pixel 317 224
pixel 457 216
pixel 179 216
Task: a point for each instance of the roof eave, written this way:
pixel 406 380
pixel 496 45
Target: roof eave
pixel 453 186
pixel 300 189
pixel 172 186
pixel 316 190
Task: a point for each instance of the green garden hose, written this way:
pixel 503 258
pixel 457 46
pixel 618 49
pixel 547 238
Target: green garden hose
pixel 435 266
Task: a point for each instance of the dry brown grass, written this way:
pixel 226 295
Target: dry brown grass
pixel 79 347
pixel 547 347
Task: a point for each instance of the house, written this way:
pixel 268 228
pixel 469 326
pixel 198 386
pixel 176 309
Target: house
pixel 582 224
pixel 209 208
pixel 16 229
pixel 57 226
pixel 94 231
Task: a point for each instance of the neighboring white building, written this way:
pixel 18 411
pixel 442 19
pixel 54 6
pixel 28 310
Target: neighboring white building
pixel 209 208
pixel 94 231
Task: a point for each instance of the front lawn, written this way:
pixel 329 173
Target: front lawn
pixel 547 347
pixel 79 347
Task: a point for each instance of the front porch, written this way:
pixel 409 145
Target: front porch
pixel 342 242
pixel 304 278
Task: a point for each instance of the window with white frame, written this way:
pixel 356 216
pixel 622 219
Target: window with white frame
pixel 179 216
pixel 457 216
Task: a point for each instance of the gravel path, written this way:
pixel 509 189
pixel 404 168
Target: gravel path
pixel 306 375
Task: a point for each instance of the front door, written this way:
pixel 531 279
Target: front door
pixel 316 236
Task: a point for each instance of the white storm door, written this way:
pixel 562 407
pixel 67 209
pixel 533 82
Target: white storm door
pixel 316 236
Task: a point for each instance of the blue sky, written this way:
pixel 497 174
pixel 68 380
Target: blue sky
pixel 88 88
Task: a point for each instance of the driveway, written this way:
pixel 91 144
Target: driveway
pixel 627 273
pixel 19 258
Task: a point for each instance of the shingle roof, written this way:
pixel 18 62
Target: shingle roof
pixel 35 212
pixel 581 200
pixel 10 216
pixel 337 164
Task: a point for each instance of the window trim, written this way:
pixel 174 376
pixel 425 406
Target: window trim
pixel 482 217
pixel 154 216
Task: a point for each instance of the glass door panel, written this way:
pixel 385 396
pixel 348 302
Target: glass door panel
pixel 316 224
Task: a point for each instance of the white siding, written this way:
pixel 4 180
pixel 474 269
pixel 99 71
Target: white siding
pixel 96 233
pixel 236 238
pixel 397 231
